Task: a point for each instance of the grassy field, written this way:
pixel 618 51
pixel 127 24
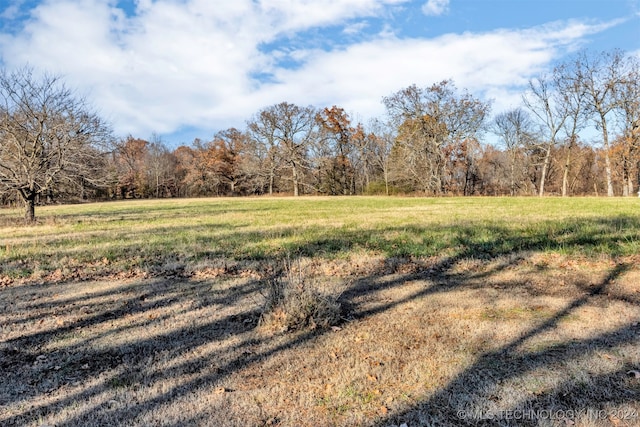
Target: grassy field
pixel 451 311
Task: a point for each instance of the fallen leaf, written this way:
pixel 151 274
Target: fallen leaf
pixel 634 374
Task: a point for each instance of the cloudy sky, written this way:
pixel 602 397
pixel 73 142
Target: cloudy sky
pixel 182 69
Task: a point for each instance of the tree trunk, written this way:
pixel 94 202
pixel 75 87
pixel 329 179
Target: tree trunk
pixel 607 159
pixel 625 182
pixel 271 179
pixel 513 174
pixel 30 209
pixel 638 176
pixel 386 182
pixel 565 175
pixel 29 198
pixel 607 162
pixel 294 171
pixel 545 167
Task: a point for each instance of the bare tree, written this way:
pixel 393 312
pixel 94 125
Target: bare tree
pixel 160 167
pixel 263 133
pixel 600 75
pixel 544 101
pixel 571 93
pixel 290 130
pixel 515 128
pixel 627 99
pixel 48 137
pixel 379 142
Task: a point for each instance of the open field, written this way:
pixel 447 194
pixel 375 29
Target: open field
pixel 456 311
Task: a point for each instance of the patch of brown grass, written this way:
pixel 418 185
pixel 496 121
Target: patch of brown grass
pixel 420 341
pixel 294 306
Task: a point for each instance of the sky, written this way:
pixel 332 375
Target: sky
pixel 184 69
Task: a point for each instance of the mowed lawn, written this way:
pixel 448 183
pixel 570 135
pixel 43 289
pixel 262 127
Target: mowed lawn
pixel 451 311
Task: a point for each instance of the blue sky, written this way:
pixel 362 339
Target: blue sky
pixel 182 69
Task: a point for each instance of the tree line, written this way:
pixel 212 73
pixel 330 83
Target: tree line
pixel 576 132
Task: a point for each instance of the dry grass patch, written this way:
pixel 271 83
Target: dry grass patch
pixel 293 304
pixel 417 347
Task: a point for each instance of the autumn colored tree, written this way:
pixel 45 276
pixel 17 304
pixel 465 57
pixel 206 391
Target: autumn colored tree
pixel 229 157
pixel 130 156
pixel 463 176
pixel 427 119
pixel 197 166
pixel 493 170
pixel 627 100
pixel 584 176
pixel 335 148
pixel 185 159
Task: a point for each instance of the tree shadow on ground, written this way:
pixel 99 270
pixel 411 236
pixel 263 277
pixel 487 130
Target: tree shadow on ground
pixel 184 358
pixel 472 398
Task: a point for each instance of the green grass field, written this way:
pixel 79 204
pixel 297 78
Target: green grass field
pixel 446 312
pixel 149 235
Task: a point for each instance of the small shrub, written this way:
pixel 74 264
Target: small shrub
pixel 293 303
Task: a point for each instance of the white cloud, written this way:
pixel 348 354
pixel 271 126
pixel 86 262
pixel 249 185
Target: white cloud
pixel 172 63
pixel 191 63
pixel 356 28
pixel 290 15
pixel 495 64
pixel 435 7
